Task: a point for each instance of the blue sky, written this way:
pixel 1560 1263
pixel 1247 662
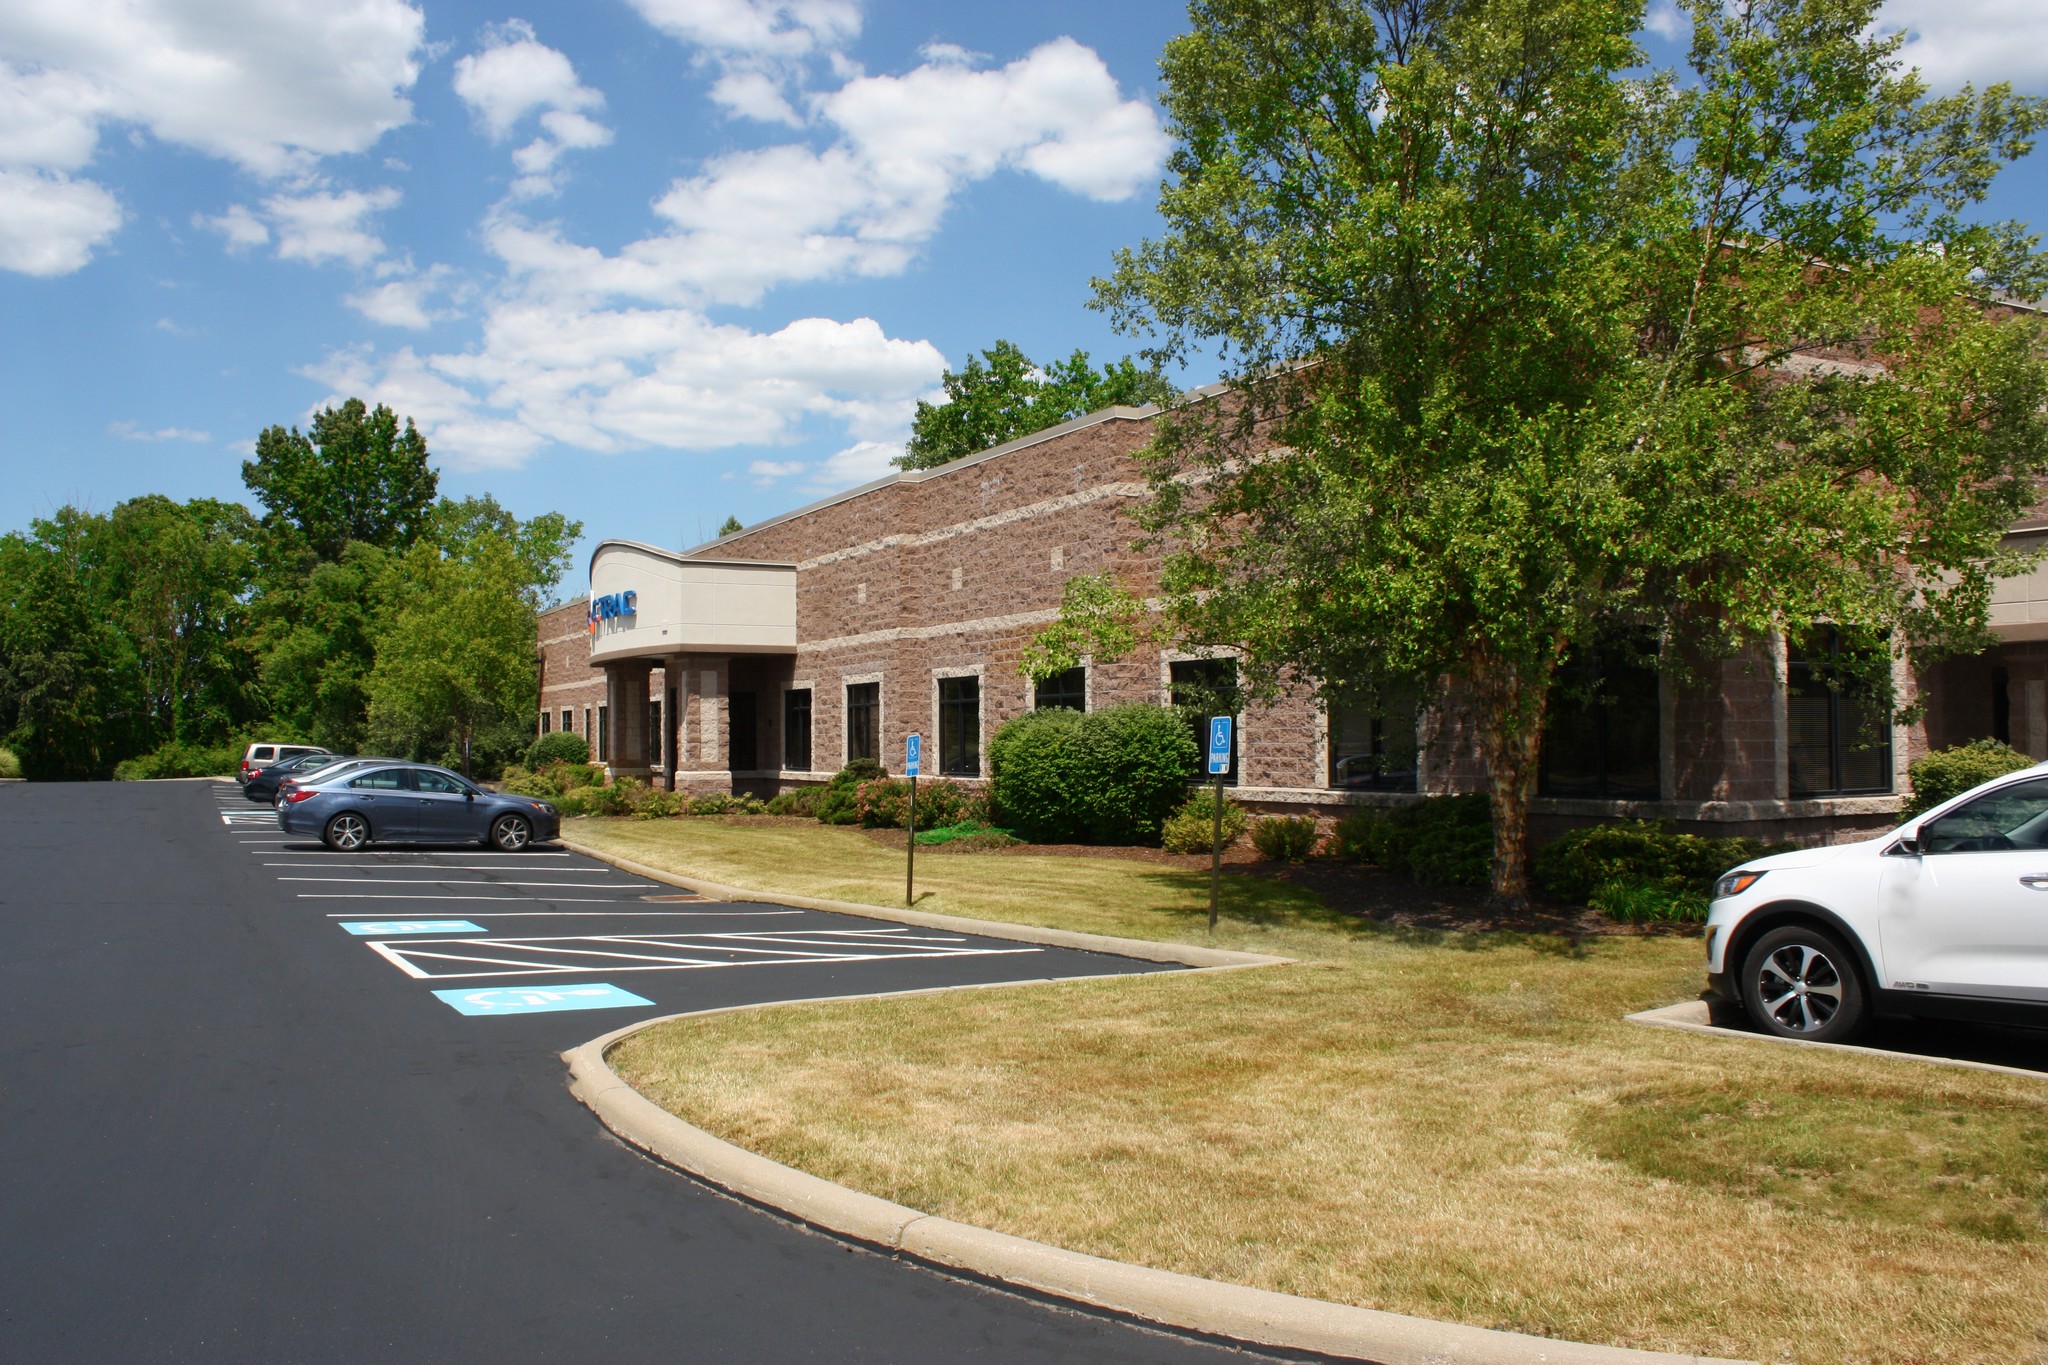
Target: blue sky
pixel 646 262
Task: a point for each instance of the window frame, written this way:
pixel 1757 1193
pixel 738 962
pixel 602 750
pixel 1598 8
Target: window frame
pixel 871 711
pixel 791 711
pixel 1198 725
pixel 959 725
pixel 1838 746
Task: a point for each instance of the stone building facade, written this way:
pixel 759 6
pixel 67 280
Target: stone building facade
pixel 768 658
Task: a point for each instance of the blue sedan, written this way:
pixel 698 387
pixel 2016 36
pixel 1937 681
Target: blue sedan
pixel 412 803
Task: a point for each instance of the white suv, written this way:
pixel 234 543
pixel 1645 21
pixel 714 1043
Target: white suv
pixel 1947 916
pixel 261 756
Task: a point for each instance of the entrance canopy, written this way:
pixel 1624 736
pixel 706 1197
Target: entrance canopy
pixel 646 603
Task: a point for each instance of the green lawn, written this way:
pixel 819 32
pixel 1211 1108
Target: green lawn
pixel 1454 1126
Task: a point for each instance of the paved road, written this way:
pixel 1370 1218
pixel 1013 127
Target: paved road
pixel 232 1128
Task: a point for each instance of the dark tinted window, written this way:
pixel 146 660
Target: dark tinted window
pixel 2011 817
pixel 863 721
pixel 796 729
pixel 1839 729
pixel 437 782
pixel 1068 689
pixel 960 727
pixel 1604 727
pixel 383 780
pixel 1372 744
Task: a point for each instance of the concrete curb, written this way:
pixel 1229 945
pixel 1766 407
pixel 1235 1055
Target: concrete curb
pixel 1185 1302
pixel 1147 950
pixel 1693 1016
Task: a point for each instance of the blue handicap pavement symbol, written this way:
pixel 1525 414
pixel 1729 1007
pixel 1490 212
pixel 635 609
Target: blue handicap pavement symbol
pixel 540 999
pixel 384 928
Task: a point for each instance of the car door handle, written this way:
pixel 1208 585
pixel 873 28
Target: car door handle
pixel 2035 881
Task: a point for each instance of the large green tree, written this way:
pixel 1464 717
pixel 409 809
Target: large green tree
pixel 1530 346
pixel 357 474
pixel 1002 394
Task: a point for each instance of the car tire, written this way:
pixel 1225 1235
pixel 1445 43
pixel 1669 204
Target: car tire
pixel 1801 982
pixel 346 832
pixel 511 833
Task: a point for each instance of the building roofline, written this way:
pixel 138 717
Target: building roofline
pixel 1119 413
pixel 683 556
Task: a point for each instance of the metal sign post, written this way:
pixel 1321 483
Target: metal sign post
pixel 1219 764
pixel 913 756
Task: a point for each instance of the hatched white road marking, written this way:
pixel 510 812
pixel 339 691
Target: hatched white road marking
pixel 460 959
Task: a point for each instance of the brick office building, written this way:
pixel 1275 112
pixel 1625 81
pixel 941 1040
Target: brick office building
pixel 770 657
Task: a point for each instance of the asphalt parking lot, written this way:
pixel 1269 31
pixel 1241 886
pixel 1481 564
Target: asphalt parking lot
pixel 264 1102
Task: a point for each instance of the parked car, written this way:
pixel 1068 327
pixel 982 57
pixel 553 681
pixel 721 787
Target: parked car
pixel 260 756
pixel 263 782
pixel 1946 916
pixel 380 802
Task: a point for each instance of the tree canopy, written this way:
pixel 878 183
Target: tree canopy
pixel 1002 394
pixel 1531 346
pixel 356 475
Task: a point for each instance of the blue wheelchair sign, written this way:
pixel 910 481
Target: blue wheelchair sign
pixel 1219 744
pixel 913 755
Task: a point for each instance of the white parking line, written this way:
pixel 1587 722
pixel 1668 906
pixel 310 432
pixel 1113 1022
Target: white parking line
pixel 408 859
pixel 592 914
pixel 469 881
pixel 555 900
pixel 452 867
pixel 674 952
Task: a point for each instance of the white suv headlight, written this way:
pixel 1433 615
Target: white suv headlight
pixel 1735 883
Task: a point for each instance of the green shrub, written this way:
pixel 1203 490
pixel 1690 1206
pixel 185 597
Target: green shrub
pixel 658 804
pixel 559 746
pixel 617 799
pixel 802 801
pixel 726 803
pixel 179 760
pixel 569 776
pixel 1191 829
pixel 1112 776
pixel 1638 853
pixel 1951 772
pixel 520 782
pixel 1672 901
pixel 10 766
pixel 884 802
pixel 1287 838
pixel 968 834
pixel 1441 840
pixel 836 802
pixel 573 802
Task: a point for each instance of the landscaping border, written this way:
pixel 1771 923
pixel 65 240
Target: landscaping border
pixel 1164 1298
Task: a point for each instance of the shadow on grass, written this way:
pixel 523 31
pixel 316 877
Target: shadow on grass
pixel 1268 903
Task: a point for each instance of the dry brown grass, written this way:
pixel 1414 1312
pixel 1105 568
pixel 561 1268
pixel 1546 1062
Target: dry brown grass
pixel 1460 1128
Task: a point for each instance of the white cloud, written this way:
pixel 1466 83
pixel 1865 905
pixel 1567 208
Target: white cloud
pixel 755 95
pixel 858 463
pixel 50 223
pixel 321 225
pixel 254 82
pixel 132 431
pixel 765 28
pixel 1667 21
pixel 407 300
pixel 516 75
pixel 1979 41
pixel 768 473
pixel 244 230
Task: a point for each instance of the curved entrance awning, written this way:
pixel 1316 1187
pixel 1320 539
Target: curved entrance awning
pixel 646 603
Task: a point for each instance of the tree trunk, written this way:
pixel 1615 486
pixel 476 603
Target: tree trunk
pixel 1512 703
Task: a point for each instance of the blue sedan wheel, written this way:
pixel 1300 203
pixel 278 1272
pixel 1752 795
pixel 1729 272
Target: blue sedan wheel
pixel 346 832
pixel 510 833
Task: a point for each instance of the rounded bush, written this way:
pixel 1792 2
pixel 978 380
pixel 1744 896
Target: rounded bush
pixel 1953 771
pixel 1446 840
pixel 836 802
pixel 1192 828
pixel 1036 779
pixel 1286 838
pixel 558 746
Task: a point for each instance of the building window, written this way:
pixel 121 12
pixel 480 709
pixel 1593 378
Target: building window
pixel 1839 728
pixel 796 729
pixel 568 721
pixel 654 744
pixel 1203 688
pixel 604 729
pixel 1603 728
pixel 589 735
pixel 864 721
pixel 1372 743
pixel 1067 689
pixel 960 727
pixel 545 718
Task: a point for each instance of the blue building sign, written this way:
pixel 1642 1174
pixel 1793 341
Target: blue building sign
pixel 611 607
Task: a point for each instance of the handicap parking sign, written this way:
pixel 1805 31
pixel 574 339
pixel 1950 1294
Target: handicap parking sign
pixel 540 999
pixel 1219 744
pixel 913 755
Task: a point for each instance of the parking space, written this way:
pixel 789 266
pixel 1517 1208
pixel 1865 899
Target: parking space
pixel 544 930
